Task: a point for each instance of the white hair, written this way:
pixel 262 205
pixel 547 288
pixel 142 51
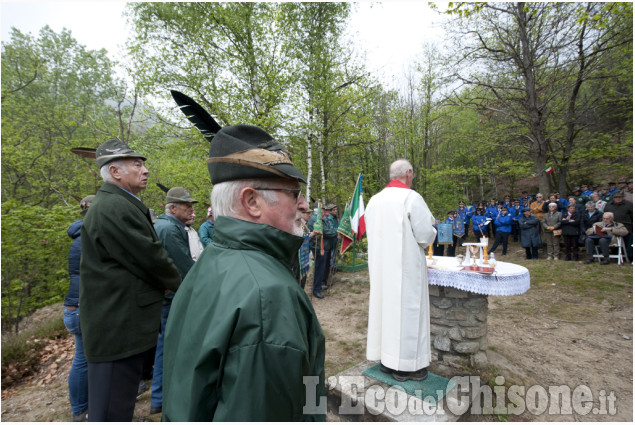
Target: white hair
pixel 167 207
pixel 105 170
pixel 226 195
pixel 610 214
pixel 399 168
pixel 553 203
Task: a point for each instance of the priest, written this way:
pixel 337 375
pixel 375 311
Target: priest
pixel 399 228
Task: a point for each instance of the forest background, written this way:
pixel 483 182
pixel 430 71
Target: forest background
pixel 515 88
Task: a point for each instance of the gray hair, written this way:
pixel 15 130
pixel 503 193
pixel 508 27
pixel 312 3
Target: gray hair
pixel 167 207
pixel 225 196
pixel 553 203
pixel 105 170
pixel 539 194
pixel 590 203
pixel 399 168
pixel 610 214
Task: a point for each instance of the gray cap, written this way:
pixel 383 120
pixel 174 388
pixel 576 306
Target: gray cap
pixel 114 149
pixel 619 193
pixel 178 194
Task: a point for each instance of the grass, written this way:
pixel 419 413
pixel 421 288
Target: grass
pixel 592 281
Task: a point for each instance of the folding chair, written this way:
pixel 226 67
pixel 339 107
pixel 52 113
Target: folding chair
pixel 617 242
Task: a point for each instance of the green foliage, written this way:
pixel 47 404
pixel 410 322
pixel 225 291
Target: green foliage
pixel 230 55
pixel 505 102
pixel 34 258
pixel 54 97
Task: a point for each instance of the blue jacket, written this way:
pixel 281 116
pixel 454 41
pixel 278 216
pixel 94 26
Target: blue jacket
pixel 74 255
pixel 529 231
pixel 479 219
pixel 504 223
pixel 492 211
pixel 464 215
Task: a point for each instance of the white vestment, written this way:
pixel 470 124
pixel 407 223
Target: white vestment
pixel 399 228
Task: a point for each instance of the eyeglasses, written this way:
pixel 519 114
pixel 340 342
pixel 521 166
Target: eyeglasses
pixel 294 192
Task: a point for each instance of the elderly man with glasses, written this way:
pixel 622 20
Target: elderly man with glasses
pixel 243 342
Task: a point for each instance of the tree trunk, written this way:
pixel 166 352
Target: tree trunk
pixel 536 123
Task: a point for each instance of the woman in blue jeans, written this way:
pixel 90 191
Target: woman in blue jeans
pixel 78 376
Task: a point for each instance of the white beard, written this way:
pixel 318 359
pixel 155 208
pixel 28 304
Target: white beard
pixel 297 227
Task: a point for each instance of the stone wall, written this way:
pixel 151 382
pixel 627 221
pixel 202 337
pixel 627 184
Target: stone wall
pixel 458 327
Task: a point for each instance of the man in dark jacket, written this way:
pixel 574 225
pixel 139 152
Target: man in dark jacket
pixel 623 213
pixel 243 342
pixel 322 261
pixel 124 273
pixel 171 229
pixel 590 216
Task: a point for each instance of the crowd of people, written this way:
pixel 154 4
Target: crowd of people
pixel 222 314
pixel 202 308
pixel 586 218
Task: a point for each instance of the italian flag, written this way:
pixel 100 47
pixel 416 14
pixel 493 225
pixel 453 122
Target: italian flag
pixel 358 225
pixel 549 170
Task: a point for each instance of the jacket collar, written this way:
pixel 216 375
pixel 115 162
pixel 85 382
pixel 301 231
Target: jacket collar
pixel 239 234
pixel 116 190
pixel 178 223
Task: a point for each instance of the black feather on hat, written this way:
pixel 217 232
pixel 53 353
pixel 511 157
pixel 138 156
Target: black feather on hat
pixel 163 188
pixel 194 112
pixel 238 151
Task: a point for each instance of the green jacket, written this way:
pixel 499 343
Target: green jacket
pixel 206 232
pixel 329 233
pixel 173 236
pixel 124 272
pixel 242 334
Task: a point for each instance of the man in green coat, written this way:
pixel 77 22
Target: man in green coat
pixel 243 342
pixel 124 272
pixel 171 229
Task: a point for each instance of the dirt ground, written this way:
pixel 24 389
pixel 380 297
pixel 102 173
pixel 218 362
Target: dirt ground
pixel 549 336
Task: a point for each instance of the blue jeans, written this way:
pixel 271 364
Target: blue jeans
pixel 156 399
pixel 78 376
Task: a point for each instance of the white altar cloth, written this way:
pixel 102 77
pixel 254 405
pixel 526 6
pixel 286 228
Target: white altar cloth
pixel 507 279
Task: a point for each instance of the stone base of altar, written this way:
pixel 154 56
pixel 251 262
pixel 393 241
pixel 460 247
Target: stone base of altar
pixel 458 327
pixel 353 396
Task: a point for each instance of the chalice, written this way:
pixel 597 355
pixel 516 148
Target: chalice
pixel 474 251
